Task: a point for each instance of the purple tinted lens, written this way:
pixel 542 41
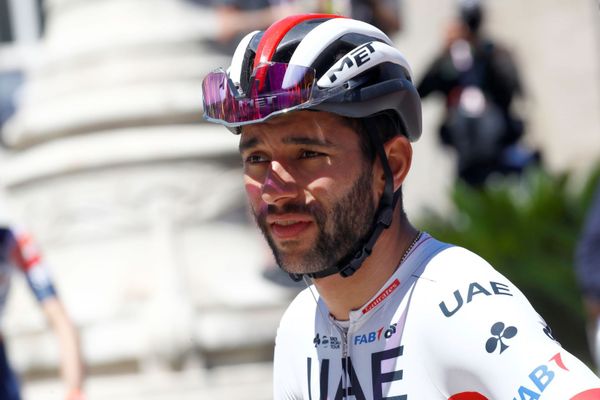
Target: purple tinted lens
pixel 215 93
pixel 274 87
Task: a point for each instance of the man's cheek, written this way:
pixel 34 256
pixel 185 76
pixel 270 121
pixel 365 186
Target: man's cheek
pixel 254 195
pixel 253 191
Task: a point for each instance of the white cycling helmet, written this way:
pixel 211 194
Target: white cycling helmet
pixel 314 61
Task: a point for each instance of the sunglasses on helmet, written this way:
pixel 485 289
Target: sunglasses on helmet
pixel 274 88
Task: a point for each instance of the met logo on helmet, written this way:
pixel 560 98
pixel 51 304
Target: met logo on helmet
pixel 354 59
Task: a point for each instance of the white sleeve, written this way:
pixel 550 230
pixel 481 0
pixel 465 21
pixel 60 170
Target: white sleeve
pixel 290 358
pixel 486 337
pixel 283 377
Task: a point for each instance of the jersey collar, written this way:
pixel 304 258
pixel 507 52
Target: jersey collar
pixel 393 284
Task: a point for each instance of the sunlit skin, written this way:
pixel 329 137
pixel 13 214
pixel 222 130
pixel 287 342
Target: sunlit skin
pixel 300 184
pixel 313 160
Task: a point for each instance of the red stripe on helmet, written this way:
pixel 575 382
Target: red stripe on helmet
pixel 273 35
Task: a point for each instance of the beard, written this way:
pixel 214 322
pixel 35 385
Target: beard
pixel 341 229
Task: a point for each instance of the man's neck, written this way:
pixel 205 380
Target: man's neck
pixel 342 295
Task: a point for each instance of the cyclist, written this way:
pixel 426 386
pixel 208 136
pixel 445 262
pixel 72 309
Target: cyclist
pixel 18 250
pixel 326 111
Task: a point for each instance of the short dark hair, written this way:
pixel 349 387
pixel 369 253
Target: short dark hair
pixel 384 125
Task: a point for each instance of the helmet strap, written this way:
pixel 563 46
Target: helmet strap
pixel 383 220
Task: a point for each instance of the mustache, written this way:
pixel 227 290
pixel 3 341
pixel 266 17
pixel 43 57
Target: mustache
pixel 288 208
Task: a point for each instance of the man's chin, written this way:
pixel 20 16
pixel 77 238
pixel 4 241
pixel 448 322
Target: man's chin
pixel 298 267
pixel 295 257
pixel 291 267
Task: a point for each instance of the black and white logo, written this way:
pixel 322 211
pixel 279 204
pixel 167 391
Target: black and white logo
pixel 327 341
pixel 500 333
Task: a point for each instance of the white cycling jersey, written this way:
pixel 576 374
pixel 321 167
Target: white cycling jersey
pixel 446 325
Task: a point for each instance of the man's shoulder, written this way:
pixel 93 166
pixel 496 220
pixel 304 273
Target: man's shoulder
pixel 303 307
pixel 455 263
pixel 442 268
pixel 298 321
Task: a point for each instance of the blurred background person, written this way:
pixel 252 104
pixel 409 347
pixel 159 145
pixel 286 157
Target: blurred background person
pixel 20 28
pixel 479 80
pixel 19 252
pixel 587 269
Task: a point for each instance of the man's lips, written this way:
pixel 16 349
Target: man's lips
pixel 288 226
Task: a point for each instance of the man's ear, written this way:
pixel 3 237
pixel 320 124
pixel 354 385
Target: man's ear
pixel 399 153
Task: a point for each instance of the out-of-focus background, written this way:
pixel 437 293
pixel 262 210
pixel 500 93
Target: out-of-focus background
pixel 139 208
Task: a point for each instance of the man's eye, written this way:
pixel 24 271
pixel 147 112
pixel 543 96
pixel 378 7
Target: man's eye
pixel 310 154
pixel 255 159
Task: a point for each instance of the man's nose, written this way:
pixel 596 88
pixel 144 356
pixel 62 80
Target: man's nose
pixel 279 185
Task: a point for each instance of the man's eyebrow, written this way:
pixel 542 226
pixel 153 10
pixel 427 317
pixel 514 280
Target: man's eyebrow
pixel 253 142
pixel 246 144
pixel 308 141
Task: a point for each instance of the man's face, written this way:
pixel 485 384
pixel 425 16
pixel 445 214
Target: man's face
pixel 309 187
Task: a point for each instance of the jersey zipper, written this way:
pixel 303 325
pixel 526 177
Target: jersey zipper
pixel 344 335
pixel 345 359
pixel 345 370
